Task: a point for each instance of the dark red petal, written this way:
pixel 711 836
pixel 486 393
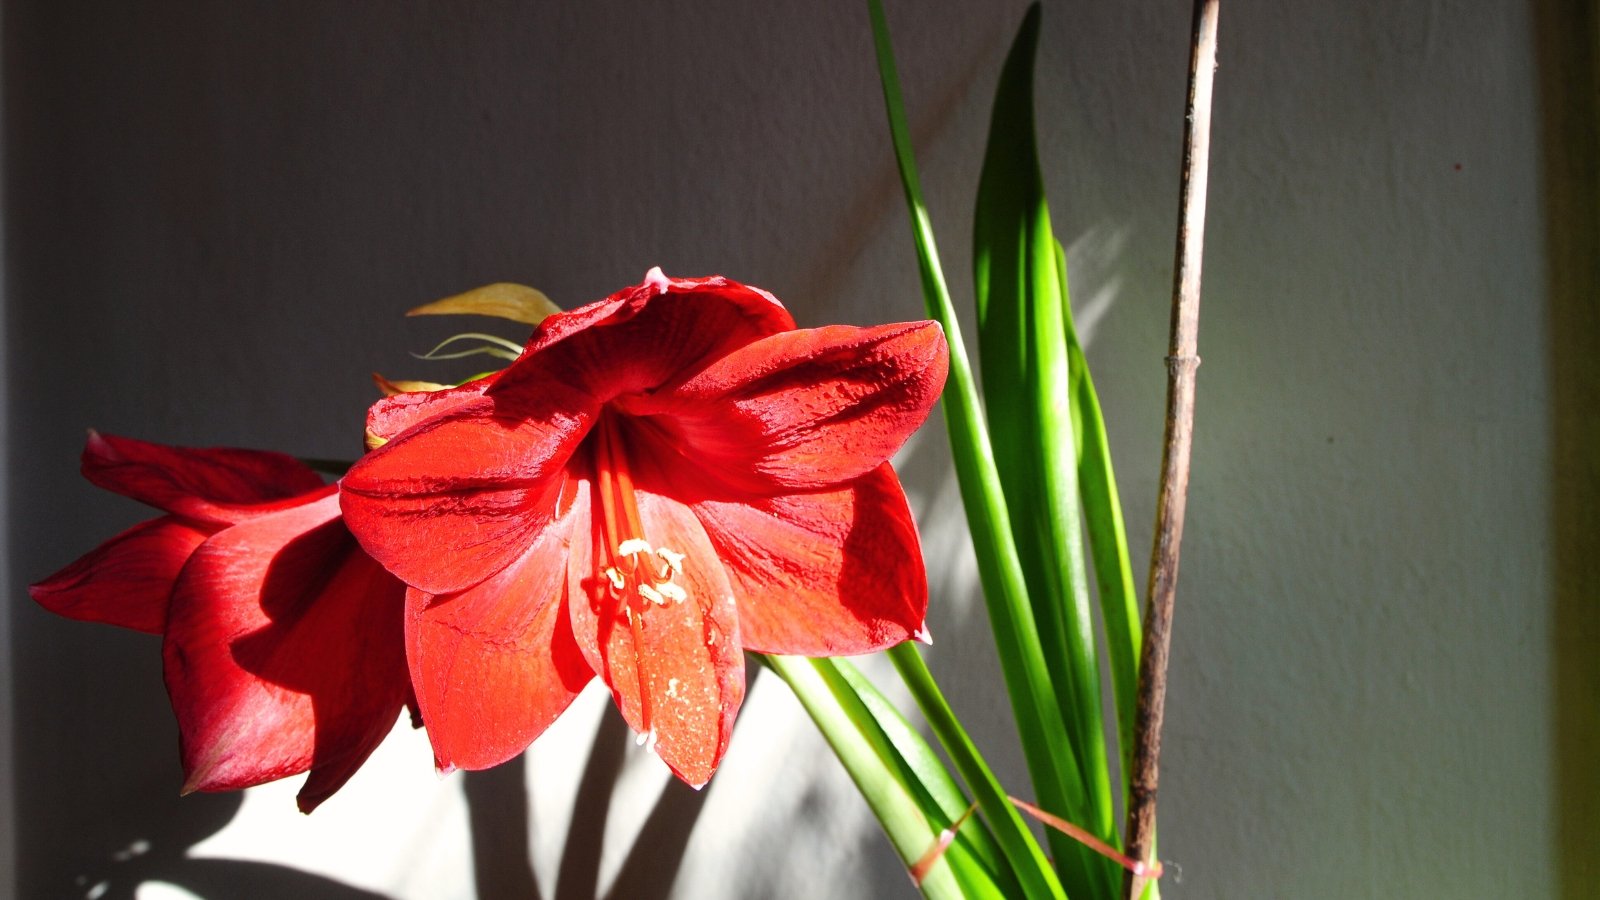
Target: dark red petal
pixel 495 665
pixel 125 581
pixel 198 483
pixel 832 573
pixel 678 678
pixel 284 653
pixel 642 337
pixel 460 496
pixel 804 409
pixel 390 416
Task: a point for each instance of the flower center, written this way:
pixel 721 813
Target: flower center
pixel 635 575
pixel 641 573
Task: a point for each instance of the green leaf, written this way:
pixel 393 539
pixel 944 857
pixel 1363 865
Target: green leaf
pixel 1029 861
pixel 1022 306
pixel 904 796
pixel 1108 540
pixel 1044 737
pixel 925 770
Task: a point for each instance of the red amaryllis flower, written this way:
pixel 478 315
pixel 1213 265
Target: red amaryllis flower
pixel 661 480
pixel 282 640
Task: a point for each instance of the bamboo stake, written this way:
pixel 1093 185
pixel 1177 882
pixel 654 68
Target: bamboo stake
pixel 1182 360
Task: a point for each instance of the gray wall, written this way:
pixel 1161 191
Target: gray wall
pixel 216 212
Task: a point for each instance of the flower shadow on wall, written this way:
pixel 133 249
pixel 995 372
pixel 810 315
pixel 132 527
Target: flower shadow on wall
pixel 651 866
pixel 161 854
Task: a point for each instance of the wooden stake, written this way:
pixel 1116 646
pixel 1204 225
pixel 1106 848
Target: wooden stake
pixel 1182 360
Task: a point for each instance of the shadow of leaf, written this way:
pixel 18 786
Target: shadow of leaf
pixel 497 814
pixel 579 875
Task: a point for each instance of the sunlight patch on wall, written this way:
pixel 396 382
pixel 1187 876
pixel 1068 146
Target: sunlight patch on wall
pixel 160 890
pixel 1093 277
pixel 396 827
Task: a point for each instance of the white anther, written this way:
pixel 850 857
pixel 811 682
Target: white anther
pixel 646 740
pixel 651 594
pixel 615 577
pixel 633 545
pixel 672 558
pixel 671 591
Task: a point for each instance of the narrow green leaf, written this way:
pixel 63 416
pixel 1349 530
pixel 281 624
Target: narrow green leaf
pixel 1026 380
pixel 1045 743
pixel 1029 861
pixel 902 803
pixel 926 770
pixel 1108 540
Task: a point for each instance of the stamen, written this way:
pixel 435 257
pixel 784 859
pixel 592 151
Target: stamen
pixel 635 573
pixel 672 558
pixel 619 513
pixel 646 739
pixel 633 546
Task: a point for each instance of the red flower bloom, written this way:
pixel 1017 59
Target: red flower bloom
pixel 282 640
pixel 661 480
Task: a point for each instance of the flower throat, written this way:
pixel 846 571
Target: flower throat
pixel 634 574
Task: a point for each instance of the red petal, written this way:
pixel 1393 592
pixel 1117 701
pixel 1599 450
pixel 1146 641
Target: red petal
pixel 642 337
pixel 284 653
pixel 832 573
pixel 462 495
pixel 125 581
pixel 496 664
pixel 682 663
pixel 203 484
pixel 392 415
pixel 803 409
pixel 458 496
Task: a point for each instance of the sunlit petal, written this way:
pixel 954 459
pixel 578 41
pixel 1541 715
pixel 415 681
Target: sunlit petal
pixel 494 665
pixel 460 496
pixel 674 665
pixel 830 573
pixel 804 409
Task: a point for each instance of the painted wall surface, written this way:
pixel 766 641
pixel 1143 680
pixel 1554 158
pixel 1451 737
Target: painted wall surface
pixel 217 212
